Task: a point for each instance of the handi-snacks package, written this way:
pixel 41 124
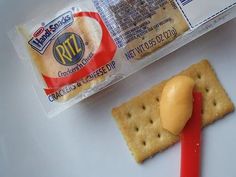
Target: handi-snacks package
pixel 84 46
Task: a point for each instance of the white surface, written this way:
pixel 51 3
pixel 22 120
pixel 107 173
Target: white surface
pixel 85 141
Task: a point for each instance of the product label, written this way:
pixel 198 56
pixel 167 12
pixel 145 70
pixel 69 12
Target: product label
pixel 200 11
pixel 141 26
pixel 67 92
pixel 70 47
pixel 44 35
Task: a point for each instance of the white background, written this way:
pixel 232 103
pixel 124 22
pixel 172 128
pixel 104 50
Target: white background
pixel 84 141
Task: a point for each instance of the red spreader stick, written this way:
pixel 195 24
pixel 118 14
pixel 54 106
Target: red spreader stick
pixel 191 141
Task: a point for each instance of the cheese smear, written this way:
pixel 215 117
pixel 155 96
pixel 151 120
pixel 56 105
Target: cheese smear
pixel 176 103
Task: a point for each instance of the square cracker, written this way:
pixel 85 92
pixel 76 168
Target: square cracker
pixel 139 118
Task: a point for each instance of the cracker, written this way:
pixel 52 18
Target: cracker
pixel 139 118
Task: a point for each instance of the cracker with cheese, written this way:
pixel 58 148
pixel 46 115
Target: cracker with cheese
pixel 139 118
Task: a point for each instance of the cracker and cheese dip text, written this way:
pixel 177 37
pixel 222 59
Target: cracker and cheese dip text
pixel 176 103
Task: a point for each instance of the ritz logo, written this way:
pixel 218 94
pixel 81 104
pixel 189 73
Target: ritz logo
pixel 68 49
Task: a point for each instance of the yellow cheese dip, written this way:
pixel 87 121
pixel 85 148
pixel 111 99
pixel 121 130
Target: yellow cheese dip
pixel 176 103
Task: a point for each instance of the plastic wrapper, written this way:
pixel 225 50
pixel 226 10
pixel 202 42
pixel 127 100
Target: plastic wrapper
pixel 78 48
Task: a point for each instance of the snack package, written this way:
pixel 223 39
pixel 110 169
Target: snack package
pixel 70 52
pixel 77 48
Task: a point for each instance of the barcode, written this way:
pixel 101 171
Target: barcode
pixel 184 2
